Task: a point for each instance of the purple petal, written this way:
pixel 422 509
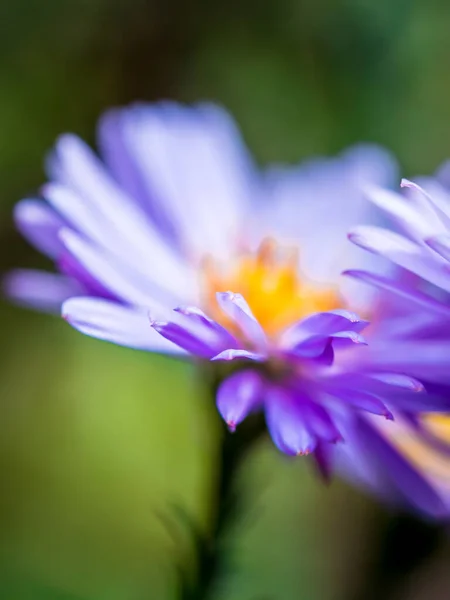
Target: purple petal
pixel 329 192
pixel 397 391
pixel 195 167
pixel 319 421
pixel 286 423
pixel 414 215
pixel 237 353
pixel 440 244
pixel 234 306
pixel 118 153
pixel 39 224
pixel 38 289
pixel 322 324
pixel 193 334
pixel 402 252
pixel 425 360
pixel 343 339
pixel 238 395
pixel 115 323
pixel 399 380
pixel 315 345
pixel 68 265
pixel 402 475
pixel 197 314
pixel 324 460
pixel 363 400
pixel 94 204
pixel 111 273
pixel 405 291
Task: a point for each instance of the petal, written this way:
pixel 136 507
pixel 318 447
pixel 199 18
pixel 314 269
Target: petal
pixel 237 353
pixel 402 475
pixel 317 202
pixel 440 244
pixel 94 204
pixel 414 215
pixel 195 168
pixel 234 306
pixel 438 200
pixel 115 323
pixel 197 314
pixel 362 400
pixel 193 334
pixel 399 380
pixel 39 224
pixel 39 289
pixel 396 391
pixel 69 266
pixel 324 460
pixel 238 395
pixel 392 285
pixel 309 337
pixel 118 153
pixel 319 422
pixel 426 360
pixel 111 273
pixel 323 323
pixel 402 252
pixel 286 424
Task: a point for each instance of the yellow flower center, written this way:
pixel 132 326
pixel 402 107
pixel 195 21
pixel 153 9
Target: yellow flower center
pixel 270 283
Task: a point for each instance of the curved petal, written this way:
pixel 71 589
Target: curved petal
pixel 324 323
pixel 115 323
pixel 198 315
pixel 238 395
pixel 286 423
pixel 193 334
pixel 362 400
pixel 235 306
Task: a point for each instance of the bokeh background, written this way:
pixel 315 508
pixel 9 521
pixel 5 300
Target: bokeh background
pixel 101 447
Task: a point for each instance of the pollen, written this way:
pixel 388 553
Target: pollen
pixel 270 282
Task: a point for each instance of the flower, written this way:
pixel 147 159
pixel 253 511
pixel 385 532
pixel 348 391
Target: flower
pixel 177 243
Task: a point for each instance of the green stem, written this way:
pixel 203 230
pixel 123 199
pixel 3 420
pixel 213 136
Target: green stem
pixel 210 550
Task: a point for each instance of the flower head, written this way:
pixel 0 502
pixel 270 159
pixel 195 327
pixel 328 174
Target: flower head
pixel 176 243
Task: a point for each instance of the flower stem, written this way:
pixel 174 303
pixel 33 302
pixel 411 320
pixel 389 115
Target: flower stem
pixel 210 550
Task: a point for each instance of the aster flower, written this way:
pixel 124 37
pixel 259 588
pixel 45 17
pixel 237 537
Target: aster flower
pixel 176 243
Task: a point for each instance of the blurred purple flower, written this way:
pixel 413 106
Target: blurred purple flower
pixel 176 215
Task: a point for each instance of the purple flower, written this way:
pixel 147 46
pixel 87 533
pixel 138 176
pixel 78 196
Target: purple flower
pixel 148 240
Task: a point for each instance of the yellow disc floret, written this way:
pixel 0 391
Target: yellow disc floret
pixel 270 282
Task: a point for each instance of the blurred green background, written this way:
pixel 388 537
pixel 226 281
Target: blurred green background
pixel 98 444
